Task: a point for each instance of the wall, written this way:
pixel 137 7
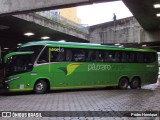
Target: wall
pixel 125 30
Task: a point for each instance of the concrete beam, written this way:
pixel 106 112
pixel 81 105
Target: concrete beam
pixel 22 6
pixel 39 20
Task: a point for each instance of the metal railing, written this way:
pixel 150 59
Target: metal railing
pixel 63 21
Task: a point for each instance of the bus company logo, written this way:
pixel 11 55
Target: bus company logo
pixel 56 49
pixel 70 68
pixel 95 67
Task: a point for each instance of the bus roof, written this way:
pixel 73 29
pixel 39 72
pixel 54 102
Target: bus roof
pixel 83 45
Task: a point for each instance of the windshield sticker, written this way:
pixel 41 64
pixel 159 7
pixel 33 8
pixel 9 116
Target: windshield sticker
pixel 56 49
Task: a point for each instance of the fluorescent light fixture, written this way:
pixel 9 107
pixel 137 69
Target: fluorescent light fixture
pixel 45 37
pixel 158 14
pixel 156 5
pixel 2 27
pixel 144 45
pixel 62 41
pixel 5 48
pixel 29 34
pixel 121 46
pixel 19 44
pixel 117 44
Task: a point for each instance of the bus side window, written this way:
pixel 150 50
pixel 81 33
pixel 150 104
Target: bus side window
pixel 139 57
pixel 128 57
pixel 112 56
pixel 57 56
pixel 118 56
pixel 108 56
pixel 131 57
pixel 95 56
pixel 91 56
pixel 124 57
pixel 78 55
pixel 100 56
pixel 145 58
pixel 153 57
pixel 149 57
pixel 68 55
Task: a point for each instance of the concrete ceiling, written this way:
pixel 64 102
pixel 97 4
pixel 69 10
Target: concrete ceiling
pixel 142 9
pixel 145 13
pixel 22 6
pixel 12 31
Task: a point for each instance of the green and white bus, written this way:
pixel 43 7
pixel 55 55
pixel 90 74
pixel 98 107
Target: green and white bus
pixel 47 65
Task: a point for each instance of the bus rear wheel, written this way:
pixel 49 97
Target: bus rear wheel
pixel 135 83
pixel 40 87
pixel 123 83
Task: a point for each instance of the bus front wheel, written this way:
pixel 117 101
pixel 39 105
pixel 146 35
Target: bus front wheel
pixel 135 83
pixel 123 83
pixel 40 87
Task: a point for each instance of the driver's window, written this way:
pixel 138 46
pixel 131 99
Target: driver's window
pixel 52 54
pixel 44 57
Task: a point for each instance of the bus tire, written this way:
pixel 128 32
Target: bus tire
pixel 123 83
pixel 40 87
pixel 135 83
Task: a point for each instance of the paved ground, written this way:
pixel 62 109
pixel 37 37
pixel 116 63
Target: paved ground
pixel 110 99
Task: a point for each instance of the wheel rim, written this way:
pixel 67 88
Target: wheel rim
pixel 39 86
pixel 124 83
pixel 135 83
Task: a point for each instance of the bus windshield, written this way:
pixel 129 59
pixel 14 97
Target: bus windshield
pixel 19 64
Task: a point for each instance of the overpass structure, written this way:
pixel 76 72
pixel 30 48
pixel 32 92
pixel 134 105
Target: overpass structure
pixel 13 28
pixel 23 6
pixel 143 10
pixel 147 13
